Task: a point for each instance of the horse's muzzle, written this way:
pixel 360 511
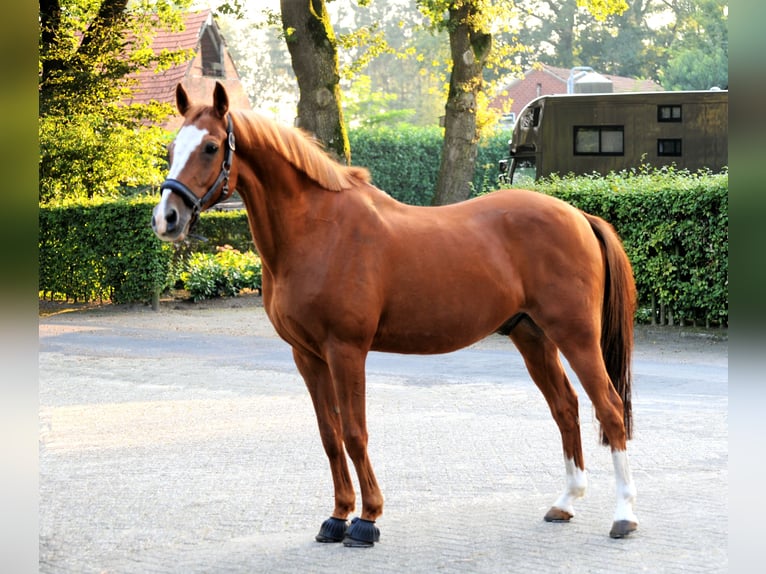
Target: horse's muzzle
pixel 170 222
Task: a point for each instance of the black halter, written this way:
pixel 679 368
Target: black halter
pixel 196 203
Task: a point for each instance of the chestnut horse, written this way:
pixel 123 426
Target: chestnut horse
pixel 348 269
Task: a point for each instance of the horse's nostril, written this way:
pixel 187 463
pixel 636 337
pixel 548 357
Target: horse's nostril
pixel 154 222
pixel 171 219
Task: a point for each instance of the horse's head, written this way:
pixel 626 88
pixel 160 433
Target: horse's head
pixel 200 163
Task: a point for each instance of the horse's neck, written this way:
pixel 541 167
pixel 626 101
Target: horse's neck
pixel 275 205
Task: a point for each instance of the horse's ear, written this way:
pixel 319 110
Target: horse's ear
pixel 220 100
pixel 182 100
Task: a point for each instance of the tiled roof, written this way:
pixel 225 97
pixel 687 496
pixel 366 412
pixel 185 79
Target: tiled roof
pixel 619 83
pixel 544 80
pixel 161 86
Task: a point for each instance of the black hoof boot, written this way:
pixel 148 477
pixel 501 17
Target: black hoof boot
pixel 332 530
pixel 621 528
pixel 361 534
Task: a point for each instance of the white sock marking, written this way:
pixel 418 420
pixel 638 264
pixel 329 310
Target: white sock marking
pixel 577 482
pixel 626 490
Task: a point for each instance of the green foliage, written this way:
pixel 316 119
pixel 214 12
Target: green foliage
pixel 86 154
pixel 104 250
pixel 698 57
pixel 221 228
pixel 404 160
pixel 696 69
pixel 224 273
pixel 91 142
pixel 675 229
pixel 674 226
pixel 363 106
pixel 682 44
pixel 101 250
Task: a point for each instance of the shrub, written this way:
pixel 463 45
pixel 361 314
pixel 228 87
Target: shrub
pixel 224 273
pixel 101 250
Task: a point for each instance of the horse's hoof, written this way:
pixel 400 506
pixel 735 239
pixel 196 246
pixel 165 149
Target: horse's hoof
pixel 361 534
pixel 621 528
pixel 332 530
pixel 557 515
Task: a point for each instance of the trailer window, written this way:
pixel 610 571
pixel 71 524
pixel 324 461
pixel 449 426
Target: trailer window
pixel 669 113
pixel 530 118
pixel 669 147
pixel 599 140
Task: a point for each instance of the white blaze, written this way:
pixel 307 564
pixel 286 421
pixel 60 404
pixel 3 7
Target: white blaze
pixel 160 223
pixel 187 140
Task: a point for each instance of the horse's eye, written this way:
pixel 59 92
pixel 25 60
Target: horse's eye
pixel 211 148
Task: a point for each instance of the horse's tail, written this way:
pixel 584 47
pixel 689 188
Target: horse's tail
pixel 617 317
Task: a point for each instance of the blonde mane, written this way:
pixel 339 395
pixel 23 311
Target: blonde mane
pixel 297 147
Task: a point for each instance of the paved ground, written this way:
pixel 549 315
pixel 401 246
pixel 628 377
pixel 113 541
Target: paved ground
pixel 183 441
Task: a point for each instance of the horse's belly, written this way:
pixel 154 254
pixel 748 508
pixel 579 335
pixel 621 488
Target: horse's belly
pixel 432 333
pixel 422 344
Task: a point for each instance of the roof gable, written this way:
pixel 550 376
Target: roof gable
pixel 211 62
pixel 152 85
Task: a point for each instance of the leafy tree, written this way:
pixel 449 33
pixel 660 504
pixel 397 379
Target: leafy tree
pixel 313 49
pixel 90 141
pixel 470 46
pixel 683 44
pixel 469 24
pixel 698 57
pixel 390 53
pixel 623 44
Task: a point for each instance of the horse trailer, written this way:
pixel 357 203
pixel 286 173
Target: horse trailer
pixel 587 133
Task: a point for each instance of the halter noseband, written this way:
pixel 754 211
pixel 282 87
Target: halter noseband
pixel 196 203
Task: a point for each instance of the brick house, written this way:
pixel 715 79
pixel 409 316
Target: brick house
pixel 211 63
pixel 544 80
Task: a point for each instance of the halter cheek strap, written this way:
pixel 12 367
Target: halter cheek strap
pixel 222 181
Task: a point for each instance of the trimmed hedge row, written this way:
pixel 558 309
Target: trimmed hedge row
pixel 674 226
pixel 404 160
pixel 675 229
pixel 101 250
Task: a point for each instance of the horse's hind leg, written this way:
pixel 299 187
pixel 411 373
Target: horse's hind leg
pixel 582 349
pixel 316 374
pixel 543 363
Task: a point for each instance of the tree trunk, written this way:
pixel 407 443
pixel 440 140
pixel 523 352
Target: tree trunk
pixel 470 48
pixel 311 42
pixel 565 29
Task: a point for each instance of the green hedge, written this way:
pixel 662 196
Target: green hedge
pixel 404 160
pixel 101 250
pixel 675 228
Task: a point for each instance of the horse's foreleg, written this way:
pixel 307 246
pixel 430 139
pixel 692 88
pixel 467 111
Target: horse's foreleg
pixel 347 364
pixel 316 374
pixel 542 361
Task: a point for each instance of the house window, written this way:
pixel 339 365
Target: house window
pixel 599 140
pixel 211 46
pixel 669 147
pixel 669 113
